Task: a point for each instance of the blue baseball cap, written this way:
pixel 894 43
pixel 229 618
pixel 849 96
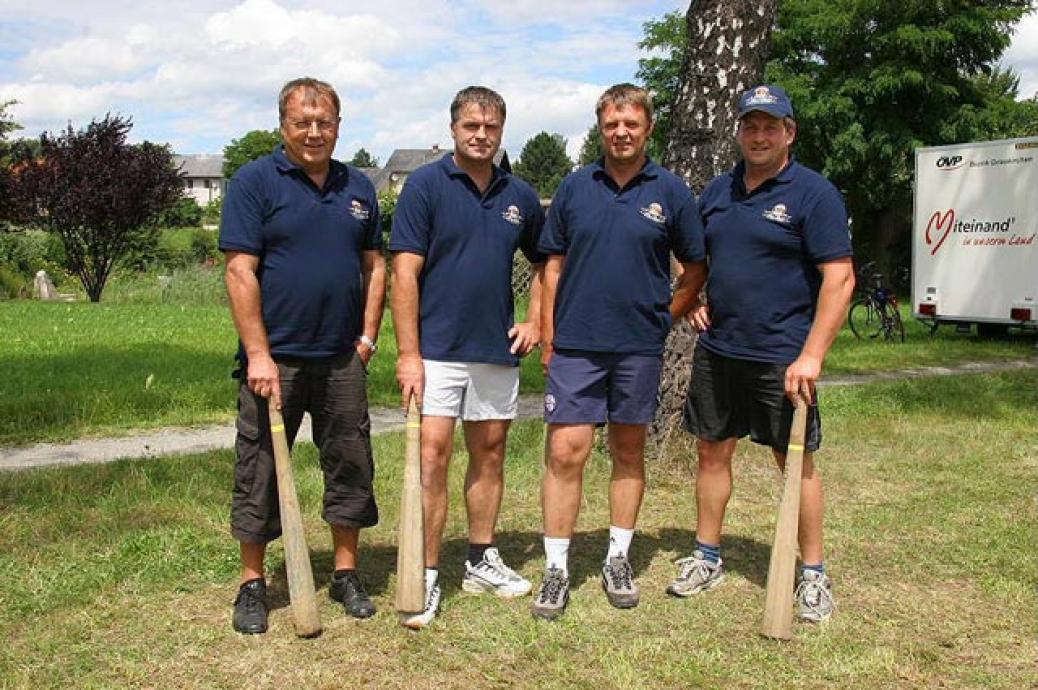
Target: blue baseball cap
pixel 767 99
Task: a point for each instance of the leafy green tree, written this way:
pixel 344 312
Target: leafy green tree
pixel 7 125
pixel 363 159
pixel 872 81
pixel 667 41
pixel 255 144
pixel 185 213
pixel 543 163
pixel 591 149
pixel 98 193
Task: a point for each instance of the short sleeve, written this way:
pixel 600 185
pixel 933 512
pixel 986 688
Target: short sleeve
pixel 826 236
pixel 687 238
pixel 532 231
pixel 241 218
pixel 412 220
pixel 554 238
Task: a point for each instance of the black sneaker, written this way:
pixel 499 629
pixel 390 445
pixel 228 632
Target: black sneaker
pixel 347 588
pixel 250 608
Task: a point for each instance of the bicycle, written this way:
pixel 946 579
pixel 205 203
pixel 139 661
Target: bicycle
pixel 876 311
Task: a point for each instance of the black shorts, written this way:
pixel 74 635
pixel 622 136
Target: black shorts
pixel 334 391
pixel 730 398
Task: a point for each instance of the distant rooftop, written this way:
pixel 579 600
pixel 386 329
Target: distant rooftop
pixel 200 164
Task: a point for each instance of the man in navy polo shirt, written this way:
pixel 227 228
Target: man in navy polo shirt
pixel 607 310
pixel 306 281
pixel 780 282
pixel 456 228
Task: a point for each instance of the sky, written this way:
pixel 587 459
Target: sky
pixel 197 74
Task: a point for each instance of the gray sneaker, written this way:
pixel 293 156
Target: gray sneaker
pixel 552 597
pixel 618 583
pixel 814 597
pixel 697 574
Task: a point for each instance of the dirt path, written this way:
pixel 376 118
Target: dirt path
pixel 159 442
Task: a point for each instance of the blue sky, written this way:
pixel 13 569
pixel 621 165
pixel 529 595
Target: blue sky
pixel 199 73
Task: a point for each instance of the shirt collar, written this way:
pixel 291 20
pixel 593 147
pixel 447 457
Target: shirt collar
pixel 448 164
pixel 649 170
pixel 784 175
pixel 283 164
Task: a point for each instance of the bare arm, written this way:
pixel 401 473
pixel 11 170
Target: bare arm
pixel 552 272
pixel 527 335
pixel 243 291
pixel 410 372
pixel 833 298
pixel 374 271
pixel 686 294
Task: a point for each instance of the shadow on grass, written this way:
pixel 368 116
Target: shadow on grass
pixel 746 557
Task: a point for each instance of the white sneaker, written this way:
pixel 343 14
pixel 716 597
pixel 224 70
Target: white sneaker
pixel 432 606
pixel 492 575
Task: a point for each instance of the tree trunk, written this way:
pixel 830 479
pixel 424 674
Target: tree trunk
pixel 728 48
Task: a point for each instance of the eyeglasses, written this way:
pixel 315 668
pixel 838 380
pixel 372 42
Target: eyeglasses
pixel 307 125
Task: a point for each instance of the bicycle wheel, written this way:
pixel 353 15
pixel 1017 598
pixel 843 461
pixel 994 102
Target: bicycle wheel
pixel 893 326
pixel 864 320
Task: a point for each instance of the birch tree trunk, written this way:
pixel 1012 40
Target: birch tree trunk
pixel 728 48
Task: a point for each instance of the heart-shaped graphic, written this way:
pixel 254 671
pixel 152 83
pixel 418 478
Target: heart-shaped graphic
pixel 939 222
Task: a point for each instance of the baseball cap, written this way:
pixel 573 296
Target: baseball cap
pixel 766 98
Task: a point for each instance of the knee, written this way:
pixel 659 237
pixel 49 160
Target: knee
pixel 715 455
pixel 566 460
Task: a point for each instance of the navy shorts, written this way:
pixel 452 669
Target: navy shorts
pixel 597 387
pixel 730 398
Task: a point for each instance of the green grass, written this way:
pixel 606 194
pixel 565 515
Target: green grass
pixel 122 575
pixel 151 355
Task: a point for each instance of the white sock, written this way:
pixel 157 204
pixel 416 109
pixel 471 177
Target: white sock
pixel 619 541
pixel 431 575
pixel 556 549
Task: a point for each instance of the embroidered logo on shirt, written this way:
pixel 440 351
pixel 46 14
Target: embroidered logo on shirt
pixel 654 212
pixel 762 96
pixel 778 213
pixel 513 216
pixel 358 211
pixel 549 403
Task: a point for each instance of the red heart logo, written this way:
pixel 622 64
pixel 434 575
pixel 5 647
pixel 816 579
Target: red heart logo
pixel 939 222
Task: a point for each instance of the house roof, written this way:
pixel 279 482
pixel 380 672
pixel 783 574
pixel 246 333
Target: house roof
pixel 409 160
pixel 200 164
pixel 378 176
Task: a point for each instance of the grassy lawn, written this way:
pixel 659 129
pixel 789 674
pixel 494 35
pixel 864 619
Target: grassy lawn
pixel 123 574
pixel 150 356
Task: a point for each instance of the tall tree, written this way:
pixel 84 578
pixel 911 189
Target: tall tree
pixel 667 40
pixel 543 163
pixel 253 145
pixel 99 194
pixel 363 159
pixel 7 125
pixel 726 56
pixel 872 81
pixel 591 149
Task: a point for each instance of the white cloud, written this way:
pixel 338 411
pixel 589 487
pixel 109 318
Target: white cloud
pixel 1023 55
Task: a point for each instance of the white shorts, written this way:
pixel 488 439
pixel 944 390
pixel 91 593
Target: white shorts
pixel 472 391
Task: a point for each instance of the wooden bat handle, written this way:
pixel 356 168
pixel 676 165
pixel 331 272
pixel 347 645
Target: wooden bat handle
pixel 410 568
pixel 305 616
pixel 778 603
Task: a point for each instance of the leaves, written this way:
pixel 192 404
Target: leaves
pixel 257 143
pixel 543 163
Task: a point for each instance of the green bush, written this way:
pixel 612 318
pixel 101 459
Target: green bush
pixel 12 284
pixel 204 247
pixel 186 213
pixel 211 212
pixel 24 252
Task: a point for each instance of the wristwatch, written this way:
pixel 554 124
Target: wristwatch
pixel 368 343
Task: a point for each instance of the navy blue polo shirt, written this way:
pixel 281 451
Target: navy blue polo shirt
pixel 764 249
pixel 468 240
pixel 614 292
pixel 309 242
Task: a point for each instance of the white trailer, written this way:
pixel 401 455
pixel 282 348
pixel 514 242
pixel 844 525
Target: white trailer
pixel 974 244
